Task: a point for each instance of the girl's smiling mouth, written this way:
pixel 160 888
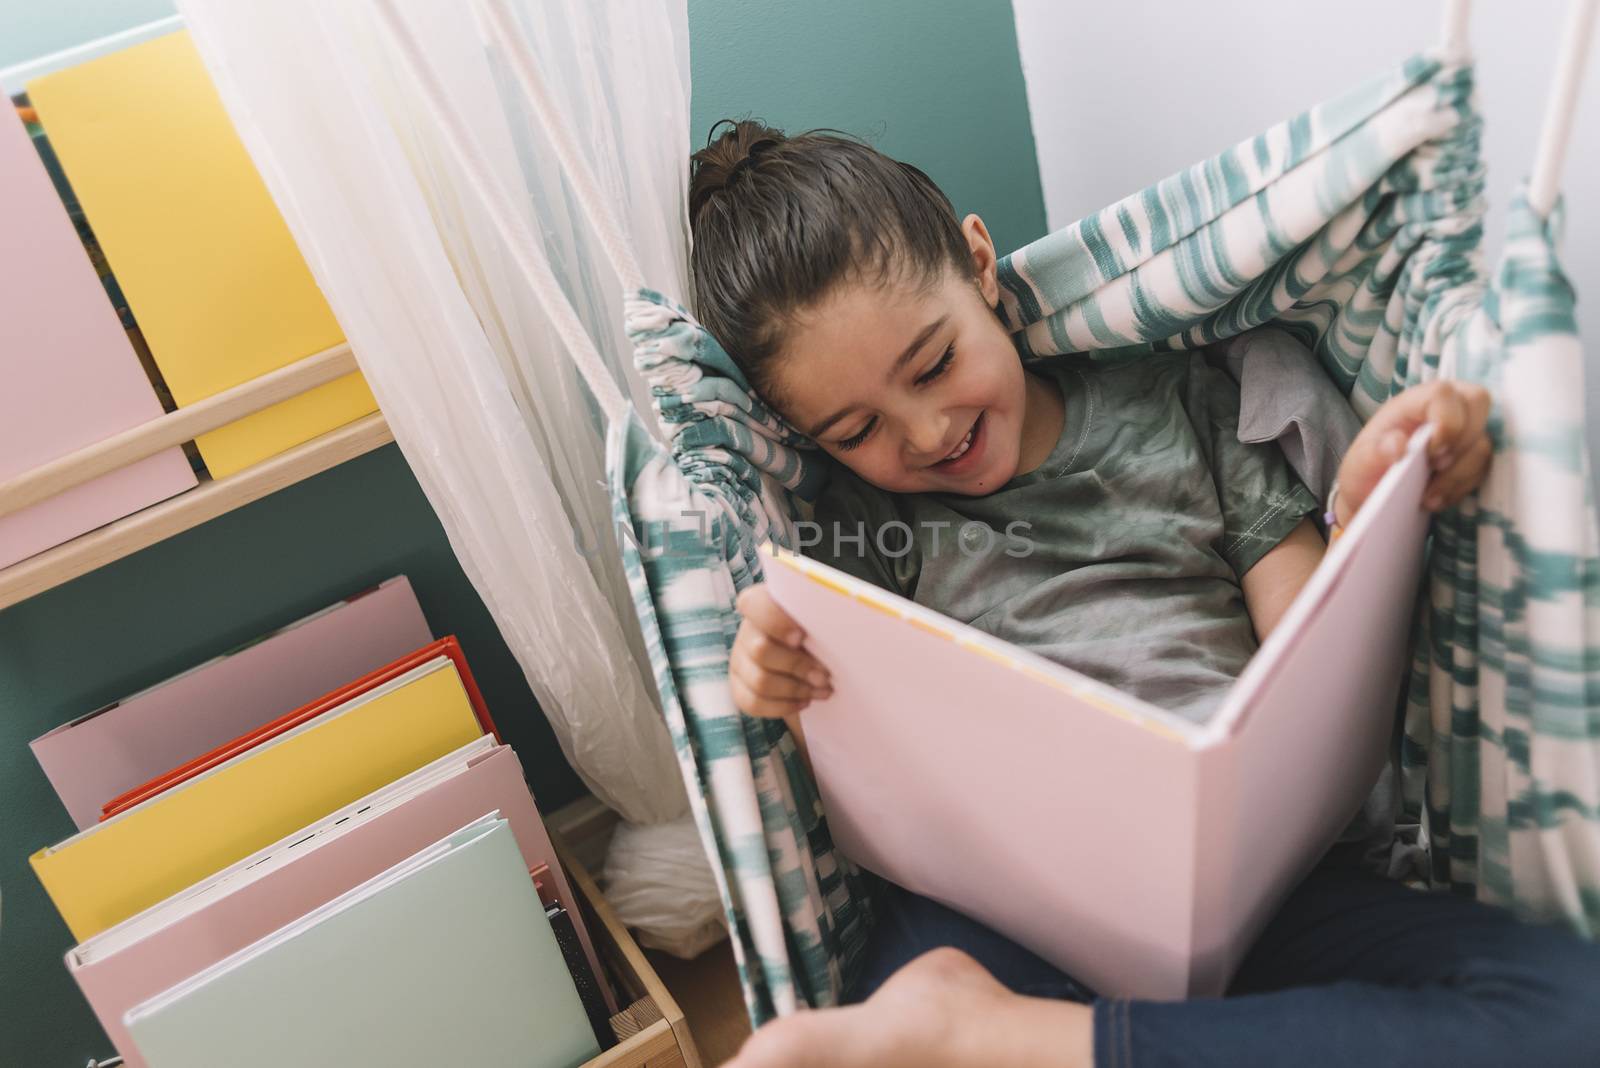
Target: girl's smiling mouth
pixel 967 453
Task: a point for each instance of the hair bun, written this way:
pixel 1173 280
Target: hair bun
pixel 727 158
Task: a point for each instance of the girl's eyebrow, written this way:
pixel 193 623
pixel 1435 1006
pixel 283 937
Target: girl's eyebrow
pixel 916 344
pixel 900 361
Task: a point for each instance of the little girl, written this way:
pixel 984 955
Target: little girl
pixel 1158 551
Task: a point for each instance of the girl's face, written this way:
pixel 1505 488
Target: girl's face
pixel 915 390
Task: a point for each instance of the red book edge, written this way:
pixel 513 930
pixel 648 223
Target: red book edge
pixel 446 646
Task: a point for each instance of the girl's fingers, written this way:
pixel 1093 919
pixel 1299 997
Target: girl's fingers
pixel 771 685
pixel 1459 412
pixel 1447 411
pixel 1392 445
pixel 1458 451
pixel 1369 457
pixel 1477 398
pixel 773 640
pixel 770 679
pixel 757 607
pixel 778 658
pixel 753 704
pixel 1448 487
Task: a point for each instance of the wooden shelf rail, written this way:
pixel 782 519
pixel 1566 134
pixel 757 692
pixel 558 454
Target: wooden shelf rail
pixel 174 428
pixel 207 501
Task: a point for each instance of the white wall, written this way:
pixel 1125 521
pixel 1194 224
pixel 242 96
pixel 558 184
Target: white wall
pixel 1124 93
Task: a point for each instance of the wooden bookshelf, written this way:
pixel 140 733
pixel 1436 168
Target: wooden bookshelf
pixel 662 1042
pixel 213 497
pixel 705 989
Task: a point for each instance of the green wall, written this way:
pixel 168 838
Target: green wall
pixel 937 83
pixel 33 28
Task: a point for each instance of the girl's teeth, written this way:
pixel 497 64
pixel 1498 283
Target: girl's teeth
pixel 961 450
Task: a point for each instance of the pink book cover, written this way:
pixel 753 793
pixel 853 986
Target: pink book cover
pixel 1138 851
pixel 68 375
pixel 151 952
pixel 109 751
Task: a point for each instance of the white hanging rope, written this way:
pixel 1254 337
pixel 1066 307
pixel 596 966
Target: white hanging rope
pixel 1552 155
pixel 514 47
pixel 507 219
pixel 1457 13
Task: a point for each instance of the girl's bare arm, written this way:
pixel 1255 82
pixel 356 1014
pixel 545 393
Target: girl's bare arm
pixel 1459 454
pixel 1277 577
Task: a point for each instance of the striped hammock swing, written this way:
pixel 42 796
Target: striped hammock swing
pixel 1356 226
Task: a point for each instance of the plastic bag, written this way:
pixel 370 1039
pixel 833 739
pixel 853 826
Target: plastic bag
pixel 658 880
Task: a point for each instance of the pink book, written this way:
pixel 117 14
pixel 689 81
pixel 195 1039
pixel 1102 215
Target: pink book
pixel 68 376
pixel 167 943
pixel 1139 852
pixel 109 751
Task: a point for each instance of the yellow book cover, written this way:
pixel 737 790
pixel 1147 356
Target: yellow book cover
pixel 205 260
pixel 115 869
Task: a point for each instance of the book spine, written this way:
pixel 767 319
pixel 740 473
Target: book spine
pixel 583 977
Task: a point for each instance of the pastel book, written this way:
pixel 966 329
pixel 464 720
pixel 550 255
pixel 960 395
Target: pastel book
pixel 447 647
pixel 1136 850
pixel 230 910
pixel 210 270
pixel 70 376
pixel 115 869
pixel 445 958
pixel 113 749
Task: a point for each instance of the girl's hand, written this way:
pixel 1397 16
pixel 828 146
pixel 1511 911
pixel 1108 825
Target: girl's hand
pixel 1459 451
pixel 770 673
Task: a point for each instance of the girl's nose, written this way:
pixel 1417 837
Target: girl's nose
pixel 928 437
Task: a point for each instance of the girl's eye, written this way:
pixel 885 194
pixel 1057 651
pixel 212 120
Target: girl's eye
pixel 939 368
pixel 857 438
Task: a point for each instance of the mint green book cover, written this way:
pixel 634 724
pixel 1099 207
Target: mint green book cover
pixel 446 958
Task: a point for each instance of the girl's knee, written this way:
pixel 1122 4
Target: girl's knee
pixel 1576 1005
pixel 1550 999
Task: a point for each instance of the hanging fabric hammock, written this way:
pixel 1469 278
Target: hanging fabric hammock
pixel 1356 226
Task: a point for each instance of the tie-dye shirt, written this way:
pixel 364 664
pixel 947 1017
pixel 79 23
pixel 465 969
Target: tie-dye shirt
pixel 1120 556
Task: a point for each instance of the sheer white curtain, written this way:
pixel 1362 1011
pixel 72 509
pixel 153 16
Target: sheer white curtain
pixel 468 369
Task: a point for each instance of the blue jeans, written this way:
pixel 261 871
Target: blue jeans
pixel 1354 970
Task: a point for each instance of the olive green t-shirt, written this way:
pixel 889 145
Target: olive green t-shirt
pixel 1120 556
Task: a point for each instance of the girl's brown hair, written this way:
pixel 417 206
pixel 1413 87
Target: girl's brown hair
pixel 779 221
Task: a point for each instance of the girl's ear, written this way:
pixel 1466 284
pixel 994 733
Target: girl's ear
pixel 984 262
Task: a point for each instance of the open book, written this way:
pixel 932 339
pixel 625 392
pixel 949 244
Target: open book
pixel 1138 851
